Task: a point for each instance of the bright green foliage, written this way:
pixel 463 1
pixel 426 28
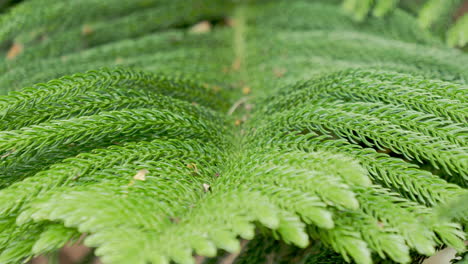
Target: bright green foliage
pixel 455 209
pixel 458 34
pixel 361 8
pixel 436 15
pixel 281 130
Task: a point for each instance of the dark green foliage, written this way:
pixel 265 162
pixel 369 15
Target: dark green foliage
pixel 310 137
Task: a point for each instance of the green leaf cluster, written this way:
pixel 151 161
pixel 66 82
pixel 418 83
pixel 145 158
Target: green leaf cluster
pixel 273 131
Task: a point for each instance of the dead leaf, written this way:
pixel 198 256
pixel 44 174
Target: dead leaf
pixel 201 28
pixel 86 30
pixel 141 175
pixel 14 51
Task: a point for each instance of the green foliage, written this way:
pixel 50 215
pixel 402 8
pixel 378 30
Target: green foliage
pixel 285 124
pixel 436 15
pixel 458 34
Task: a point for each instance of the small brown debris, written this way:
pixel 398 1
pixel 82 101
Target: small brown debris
pixel 141 175
pixel 216 88
pixel 230 22
pixel 246 90
pixel 236 64
pixel 14 51
pixel 244 118
pixel 43 37
pixel 73 253
pixel 175 220
pixel 76 177
pixel 380 224
pixel 86 30
pixel 206 187
pixel 201 28
pixel 199 259
pixel 385 151
pixel 8 153
pixel 39 260
pixel 217 175
pixel 279 72
pixel 194 103
pixel 248 107
pixel 193 166
pixel 230 258
pixel 238 122
pixel 236 105
pixel 119 60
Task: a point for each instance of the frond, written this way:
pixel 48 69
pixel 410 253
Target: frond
pixel 22 149
pixel 356 87
pixel 54 236
pixel 119 79
pixel 371 131
pixel 258 133
pixel 146 18
pixel 99 164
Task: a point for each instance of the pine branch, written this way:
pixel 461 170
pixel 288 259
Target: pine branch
pixel 347 138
